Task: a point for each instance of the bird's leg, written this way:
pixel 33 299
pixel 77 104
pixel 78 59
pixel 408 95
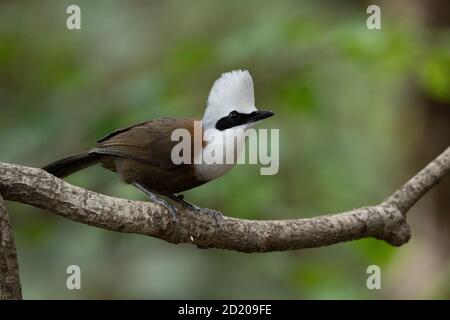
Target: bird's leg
pixel 180 199
pixel 157 199
pixel 216 215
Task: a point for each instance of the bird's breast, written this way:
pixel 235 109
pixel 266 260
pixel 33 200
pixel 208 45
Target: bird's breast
pixel 207 172
pixel 218 156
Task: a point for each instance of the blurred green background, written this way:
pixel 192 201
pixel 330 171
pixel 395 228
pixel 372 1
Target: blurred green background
pixel 359 112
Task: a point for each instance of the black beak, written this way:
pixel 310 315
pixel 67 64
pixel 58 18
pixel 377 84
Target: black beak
pixel 259 115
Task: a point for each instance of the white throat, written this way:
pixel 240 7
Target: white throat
pixel 220 153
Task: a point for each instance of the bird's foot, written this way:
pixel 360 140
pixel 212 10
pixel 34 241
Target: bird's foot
pixel 187 204
pixel 171 208
pixel 216 215
pixel 154 198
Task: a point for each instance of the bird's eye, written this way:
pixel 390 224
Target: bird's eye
pixel 233 114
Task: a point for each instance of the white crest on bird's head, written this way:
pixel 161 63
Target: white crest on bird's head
pixel 233 91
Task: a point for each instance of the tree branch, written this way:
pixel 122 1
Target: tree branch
pixel 10 287
pixel 208 228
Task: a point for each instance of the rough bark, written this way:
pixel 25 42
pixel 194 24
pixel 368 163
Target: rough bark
pixel 210 229
pixel 10 288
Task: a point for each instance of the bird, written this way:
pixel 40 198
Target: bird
pixel 141 153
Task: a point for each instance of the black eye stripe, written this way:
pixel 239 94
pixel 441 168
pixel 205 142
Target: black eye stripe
pixel 233 119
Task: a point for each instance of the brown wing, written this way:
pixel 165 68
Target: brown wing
pixel 116 132
pixel 148 142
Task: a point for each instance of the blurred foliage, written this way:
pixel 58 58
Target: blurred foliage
pixel 344 103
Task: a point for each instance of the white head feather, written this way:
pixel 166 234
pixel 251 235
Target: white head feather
pixel 232 91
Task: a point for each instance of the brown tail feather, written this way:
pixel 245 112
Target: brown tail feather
pixel 67 166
